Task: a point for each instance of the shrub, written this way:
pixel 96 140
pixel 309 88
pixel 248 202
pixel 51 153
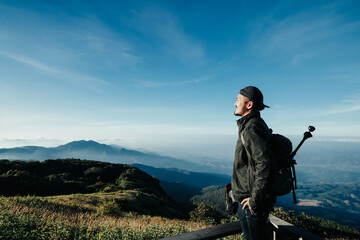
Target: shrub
pixel 110 188
pixel 206 214
pixel 94 172
pixel 111 208
pixel 61 177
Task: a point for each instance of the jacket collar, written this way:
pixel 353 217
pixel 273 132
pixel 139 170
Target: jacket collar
pixel 242 121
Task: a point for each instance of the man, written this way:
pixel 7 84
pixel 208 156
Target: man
pixel 251 178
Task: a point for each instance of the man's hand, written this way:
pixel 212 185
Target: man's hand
pixel 245 204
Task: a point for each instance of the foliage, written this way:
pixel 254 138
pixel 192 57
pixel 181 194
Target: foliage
pixel 110 207
pixel 212 196
pixel 68 217
pixel 134 178
pixel 319 226
pixel 66 176
pixel 139 191
pixel 206 214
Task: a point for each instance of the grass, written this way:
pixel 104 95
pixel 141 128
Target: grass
pixel 82 216
pixel 104 216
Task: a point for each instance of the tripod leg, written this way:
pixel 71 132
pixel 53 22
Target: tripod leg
pixel 294 174
pixel 293 183
pixel 294 196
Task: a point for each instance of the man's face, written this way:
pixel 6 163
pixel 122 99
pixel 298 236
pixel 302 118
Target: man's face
pixel 243 106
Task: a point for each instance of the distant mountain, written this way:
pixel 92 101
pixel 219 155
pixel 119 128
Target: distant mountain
pixel 188 178
pixel 182 185
pixel 323 162
pixel 92 150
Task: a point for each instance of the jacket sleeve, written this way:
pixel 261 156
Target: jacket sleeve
pixel 257 144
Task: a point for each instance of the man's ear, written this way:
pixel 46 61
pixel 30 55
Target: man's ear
pixel 250 104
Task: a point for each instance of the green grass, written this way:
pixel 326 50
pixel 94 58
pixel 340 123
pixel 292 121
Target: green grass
pixel 88 216
pixel 101 216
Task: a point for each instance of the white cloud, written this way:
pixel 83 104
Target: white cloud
pixel 302 57
pixel 349 74
pixel 69 42
pixel 350 103
pixel 93 38
pixel 352 99
pixel 79 79
pixel 29 61
pixel 341 139
pixel 159 84
pixel 341 109
pixel 30 141
pixel 152 84
pixel 165 27
pixel 296 32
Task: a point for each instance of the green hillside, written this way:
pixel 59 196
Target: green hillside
pixel 80 199
pixel 136 190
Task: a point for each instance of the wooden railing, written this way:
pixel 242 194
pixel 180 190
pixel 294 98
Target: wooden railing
pixel 280 230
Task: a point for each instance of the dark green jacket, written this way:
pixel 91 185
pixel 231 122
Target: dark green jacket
pixel 253 179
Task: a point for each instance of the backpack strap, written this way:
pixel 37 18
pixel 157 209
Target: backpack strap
pixel 247 153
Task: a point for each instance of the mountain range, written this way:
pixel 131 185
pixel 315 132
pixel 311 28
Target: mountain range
pixel 318 162
pixel 92 150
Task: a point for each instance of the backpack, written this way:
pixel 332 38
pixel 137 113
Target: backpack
pixel 284 177
pixel 283 165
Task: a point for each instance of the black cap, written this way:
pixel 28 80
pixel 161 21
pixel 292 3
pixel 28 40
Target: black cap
pixel 255 95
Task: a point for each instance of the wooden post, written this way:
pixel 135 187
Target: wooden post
pixel 282 225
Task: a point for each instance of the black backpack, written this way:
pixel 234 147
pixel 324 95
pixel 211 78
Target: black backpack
pixel 284 176
pixel 283 165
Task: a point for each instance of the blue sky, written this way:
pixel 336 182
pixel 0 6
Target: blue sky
pixel 163 75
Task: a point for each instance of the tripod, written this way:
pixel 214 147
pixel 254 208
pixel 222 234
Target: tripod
pixel 293 162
